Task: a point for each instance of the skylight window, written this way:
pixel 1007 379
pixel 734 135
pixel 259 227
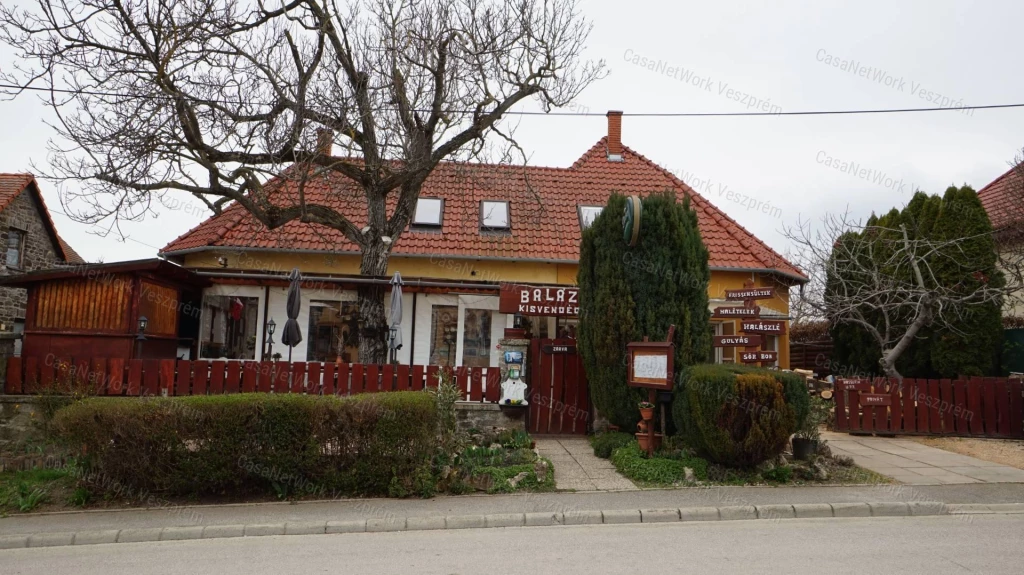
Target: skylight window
pixel 587 215
pixel 494 215
pixel 428 212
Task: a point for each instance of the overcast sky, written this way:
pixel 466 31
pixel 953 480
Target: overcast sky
pixel 729 57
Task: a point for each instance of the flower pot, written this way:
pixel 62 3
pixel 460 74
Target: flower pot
pixel 647 413
pixel 642 438
pixel 804 448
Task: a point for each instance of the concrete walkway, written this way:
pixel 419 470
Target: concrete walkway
pixel 912 463
pixel 576 466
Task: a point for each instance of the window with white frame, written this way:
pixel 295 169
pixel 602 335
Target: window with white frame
pixel 476 338
pixel 429 212
pixel 494 215
pixel 444 327
pixel 333 331
pixel 587 215
pixel 228 329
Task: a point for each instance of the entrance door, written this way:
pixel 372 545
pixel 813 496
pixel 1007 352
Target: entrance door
pixel 558 395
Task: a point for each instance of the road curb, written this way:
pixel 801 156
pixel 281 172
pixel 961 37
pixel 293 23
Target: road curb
pixel 592 517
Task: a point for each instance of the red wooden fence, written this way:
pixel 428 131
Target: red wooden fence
pixel 975 407
pixel 27 375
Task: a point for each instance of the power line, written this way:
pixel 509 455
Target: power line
pixel 591 114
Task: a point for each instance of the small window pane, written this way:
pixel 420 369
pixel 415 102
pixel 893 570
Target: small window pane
pixel 333 331
pixel 444 326
pixel 495 215
pixel 14 248
pixel 428 212
pixel 587 215
pixel 229 327
pixel 476 338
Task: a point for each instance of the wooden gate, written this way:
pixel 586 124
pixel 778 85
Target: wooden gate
pixel 975 407
pixel 558 395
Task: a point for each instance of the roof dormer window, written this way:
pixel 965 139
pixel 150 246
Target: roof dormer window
pixel 587 215
pixel 429 212
pixel 494 215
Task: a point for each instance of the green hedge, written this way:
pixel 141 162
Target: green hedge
pixel 738 416
pixel 284 444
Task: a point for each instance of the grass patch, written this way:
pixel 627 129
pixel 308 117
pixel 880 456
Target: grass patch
pixel 657 471
pixel 24 491
pixel 605 443
pixel 500 477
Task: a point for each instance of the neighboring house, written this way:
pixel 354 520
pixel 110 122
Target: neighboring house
pixel 478 230
pixel 30 243
pixel 1003 200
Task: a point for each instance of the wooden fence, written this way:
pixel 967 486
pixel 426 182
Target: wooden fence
pixel 975 407
pixel 814 356
pixel 157 377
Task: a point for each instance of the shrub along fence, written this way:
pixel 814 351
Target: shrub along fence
pixel 169 377
pixel 971 407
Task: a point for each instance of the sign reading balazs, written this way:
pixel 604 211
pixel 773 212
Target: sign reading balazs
pixel 559 301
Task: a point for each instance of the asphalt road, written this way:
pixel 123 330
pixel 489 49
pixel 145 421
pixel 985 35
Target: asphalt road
pixel 934 545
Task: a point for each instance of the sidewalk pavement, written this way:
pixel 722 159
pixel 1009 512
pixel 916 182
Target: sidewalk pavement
pixel 912 463
pixel 576 466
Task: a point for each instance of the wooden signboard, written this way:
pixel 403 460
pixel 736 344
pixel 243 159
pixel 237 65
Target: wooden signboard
pixel 736 341
pixel 559 301
pixel 763 326
pixel 749 293
pixel 651 364
pixel 758 356
pixel 852 385
pixel 875 399
pixel 733 312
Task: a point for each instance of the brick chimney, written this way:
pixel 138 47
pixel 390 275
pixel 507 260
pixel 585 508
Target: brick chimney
pixel 324 141
pixel 614 136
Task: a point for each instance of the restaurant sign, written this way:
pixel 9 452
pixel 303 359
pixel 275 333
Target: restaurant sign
pixel 763 326
pixel 558 301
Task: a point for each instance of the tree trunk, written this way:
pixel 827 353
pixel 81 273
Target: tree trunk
pixel 373 327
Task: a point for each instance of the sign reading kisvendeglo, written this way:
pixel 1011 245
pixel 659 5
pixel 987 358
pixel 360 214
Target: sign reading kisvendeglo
pixel 557 301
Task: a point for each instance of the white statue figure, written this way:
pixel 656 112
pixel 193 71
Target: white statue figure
pixel 513 390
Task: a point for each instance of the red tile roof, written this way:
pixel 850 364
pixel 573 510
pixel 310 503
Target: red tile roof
pixel 1003 199
pixel 13 184
pixel 544 217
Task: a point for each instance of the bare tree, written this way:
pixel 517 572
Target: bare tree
pixel 226 99
pixel 884 279
pixel 1008 220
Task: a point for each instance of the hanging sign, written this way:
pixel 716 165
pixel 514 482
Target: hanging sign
pixel 736 340
pixel 763 326
pixel 560 301
pixel 559 349
pixel 631 220
pixel 734 312
pixel 758 356
pixel 843 384
pixel 749 293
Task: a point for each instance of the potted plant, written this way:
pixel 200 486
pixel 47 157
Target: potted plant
pixel 646 410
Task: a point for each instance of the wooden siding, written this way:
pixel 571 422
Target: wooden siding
pixel 99 304
pixel 160 306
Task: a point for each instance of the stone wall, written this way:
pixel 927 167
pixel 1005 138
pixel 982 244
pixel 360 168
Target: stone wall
pixel 485 416
pixel 19 415
pixel 24 213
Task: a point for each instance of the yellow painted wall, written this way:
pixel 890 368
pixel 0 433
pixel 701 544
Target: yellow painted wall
pixel 441 267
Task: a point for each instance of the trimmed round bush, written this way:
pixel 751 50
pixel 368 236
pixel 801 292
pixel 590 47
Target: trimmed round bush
pixel 734 419
pixel 380 444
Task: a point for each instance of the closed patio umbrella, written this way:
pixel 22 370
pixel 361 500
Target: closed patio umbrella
pixel 292 335
pixel 396 313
